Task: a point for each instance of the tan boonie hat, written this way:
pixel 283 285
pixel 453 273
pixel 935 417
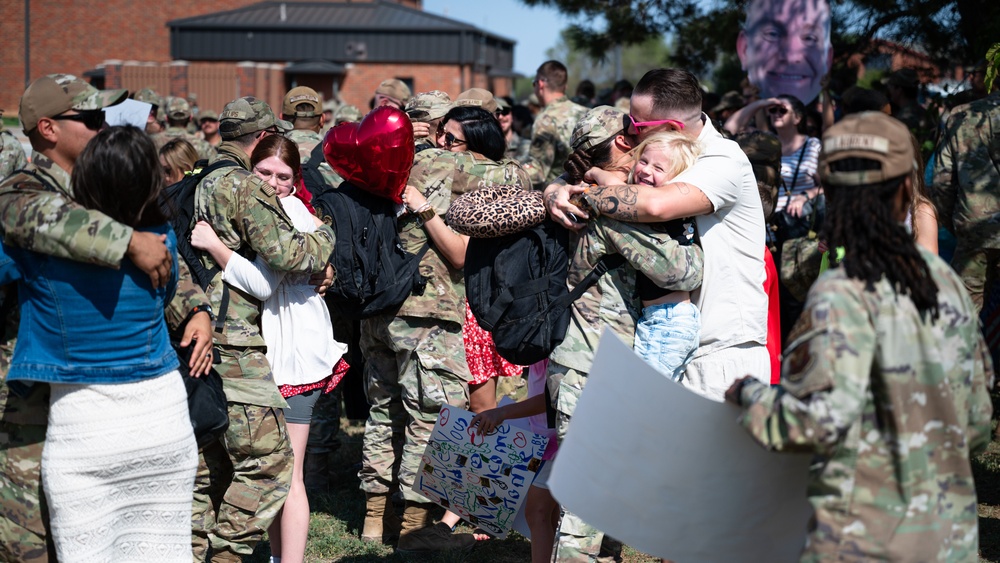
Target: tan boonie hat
pixel 872 135
pixel 395 89
pixel 301 95
pixel 347 113
pixel 428 106
pixel 477 97
pixel 596 126
pixel 207 114
pixel 54 94
pixel 178 108
pixel 248 115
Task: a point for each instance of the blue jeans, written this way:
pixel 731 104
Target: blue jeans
pixel 667 335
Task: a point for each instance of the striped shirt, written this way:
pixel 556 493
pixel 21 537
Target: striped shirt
pixel 807 171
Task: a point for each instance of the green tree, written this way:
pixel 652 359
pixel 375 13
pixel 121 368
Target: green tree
pixel 582 65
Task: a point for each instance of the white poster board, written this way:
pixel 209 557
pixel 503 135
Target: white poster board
pixel 483 479
pixel 672 474
pixel 129 112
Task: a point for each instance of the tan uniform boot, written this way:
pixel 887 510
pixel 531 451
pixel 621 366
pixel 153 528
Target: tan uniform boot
pixel 421 535
pixel 381 523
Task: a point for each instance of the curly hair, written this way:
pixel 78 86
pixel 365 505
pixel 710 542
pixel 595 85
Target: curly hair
pixel 862 220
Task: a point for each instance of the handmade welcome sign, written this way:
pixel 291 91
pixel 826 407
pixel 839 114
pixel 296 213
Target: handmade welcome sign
pixel 483 479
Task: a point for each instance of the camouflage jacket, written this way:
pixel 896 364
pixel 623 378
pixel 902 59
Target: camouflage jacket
pixel 441 176
pixel 517 148
pixel 613 301
pixel 966 184
pixel 892 406
pixel 205 151
pixel 12 155
pixel 307 141
pixel 550 138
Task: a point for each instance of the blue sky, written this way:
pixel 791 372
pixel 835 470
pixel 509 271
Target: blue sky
pixel 534 29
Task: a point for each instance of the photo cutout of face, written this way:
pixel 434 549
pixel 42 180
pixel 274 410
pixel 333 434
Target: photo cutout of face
pixel 785 46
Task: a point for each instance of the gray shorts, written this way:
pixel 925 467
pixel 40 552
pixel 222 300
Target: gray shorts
pixel 300 407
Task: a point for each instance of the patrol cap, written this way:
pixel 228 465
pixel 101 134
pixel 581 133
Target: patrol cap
pixel 178 108
pixel 330 105
pixel 54 94
pixel 301 95
pixel 428 106
pixel 395 89
pixel 477 97
pixel 763 150
pixel 596 126
pixel 149 96
pixel 347 113
pixel 872 135
pixel 502 103
pixel 247 115
pixel 730 100
pixel 207 114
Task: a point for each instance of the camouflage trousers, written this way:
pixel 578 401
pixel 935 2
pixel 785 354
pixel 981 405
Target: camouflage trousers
pixel 24 521
pixel 575 539
pixel 414 366
pixel 241 483
pixel 979 269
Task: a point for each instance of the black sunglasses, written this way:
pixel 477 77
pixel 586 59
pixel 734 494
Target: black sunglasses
pixel 503 111
pixel 92 120
pixel 451 140
pixel 777 110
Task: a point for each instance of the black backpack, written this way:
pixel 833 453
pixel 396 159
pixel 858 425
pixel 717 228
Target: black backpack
pixel 516 286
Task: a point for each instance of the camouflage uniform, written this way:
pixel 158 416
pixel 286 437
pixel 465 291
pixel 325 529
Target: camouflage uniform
pixel 892 405
pixel 12 155
pixel 307 140
pixel 966 190
pixel 613 303
pixel 45 219
pixel 245 212
pixel 416 356
pixel 517 147
pixel 550 141
pixel 202 147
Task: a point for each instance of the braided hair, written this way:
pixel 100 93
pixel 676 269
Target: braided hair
pixel 861 219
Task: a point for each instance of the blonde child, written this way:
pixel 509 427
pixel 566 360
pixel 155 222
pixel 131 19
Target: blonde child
pixel 666 335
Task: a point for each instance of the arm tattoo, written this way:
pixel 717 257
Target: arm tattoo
pixel 617 202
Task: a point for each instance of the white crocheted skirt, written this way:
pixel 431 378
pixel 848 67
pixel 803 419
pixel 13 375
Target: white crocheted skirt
pixel 118 471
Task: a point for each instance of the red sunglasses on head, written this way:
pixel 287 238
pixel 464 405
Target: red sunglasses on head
pixel 632 127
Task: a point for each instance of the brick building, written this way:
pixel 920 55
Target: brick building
pixel 229 48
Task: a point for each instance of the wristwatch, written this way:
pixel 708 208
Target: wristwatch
pixel 426 215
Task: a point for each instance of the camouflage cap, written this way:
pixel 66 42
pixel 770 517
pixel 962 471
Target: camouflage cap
pixel 178 108
pixel 730 100
pixel 477 97
pixel 502 103
pixel 301 95
pixel 54 94
pixel 596 126
pixel 207 114
pixel 872 135
pixel 149 96
pixel 428 106
pixel 330 105
pixel 394 88
pixel 248 115
pixel 763 150
pixel 347 113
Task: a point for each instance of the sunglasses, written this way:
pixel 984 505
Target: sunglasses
pixel 633 127
pixel 503 111
pixel 777 110
pixel 451 140
pixel 92 120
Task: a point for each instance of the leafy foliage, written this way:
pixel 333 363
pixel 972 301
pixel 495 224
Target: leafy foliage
pixel 992 65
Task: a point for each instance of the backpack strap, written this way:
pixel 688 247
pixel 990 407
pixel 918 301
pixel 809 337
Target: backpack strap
pixel 310 170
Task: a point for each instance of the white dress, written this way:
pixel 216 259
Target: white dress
pixel 295 321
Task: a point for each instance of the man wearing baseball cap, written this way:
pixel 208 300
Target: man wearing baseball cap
pixel 245 213
pixel 208 122
pixel 178 118
pixel 886 379
pixel 426 110
pixel 61 114
pixel 392 92
pixel 301 107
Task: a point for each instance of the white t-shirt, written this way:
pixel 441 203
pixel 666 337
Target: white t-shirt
pixel 731 299
pixel 295 321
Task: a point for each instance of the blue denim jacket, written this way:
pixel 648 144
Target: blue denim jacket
pixel 82 323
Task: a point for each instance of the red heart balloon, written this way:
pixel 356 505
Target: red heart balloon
pixel 375 155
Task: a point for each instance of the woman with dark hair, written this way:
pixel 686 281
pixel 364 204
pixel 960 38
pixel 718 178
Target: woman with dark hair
pixel 468 128
pixel 886 381
pixel 305 359
pixel 120 455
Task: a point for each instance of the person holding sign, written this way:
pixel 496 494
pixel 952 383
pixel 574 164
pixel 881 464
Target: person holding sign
pixel 886 377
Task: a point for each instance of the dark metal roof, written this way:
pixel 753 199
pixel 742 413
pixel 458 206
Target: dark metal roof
pixel 329 16
pixel 314 67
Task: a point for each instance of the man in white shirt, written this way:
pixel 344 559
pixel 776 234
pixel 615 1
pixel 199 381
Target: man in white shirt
pixel 720 191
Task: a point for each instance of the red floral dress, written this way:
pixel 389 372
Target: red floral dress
pixel 481 353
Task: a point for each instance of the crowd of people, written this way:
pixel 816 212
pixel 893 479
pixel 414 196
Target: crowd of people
pixel 763 249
